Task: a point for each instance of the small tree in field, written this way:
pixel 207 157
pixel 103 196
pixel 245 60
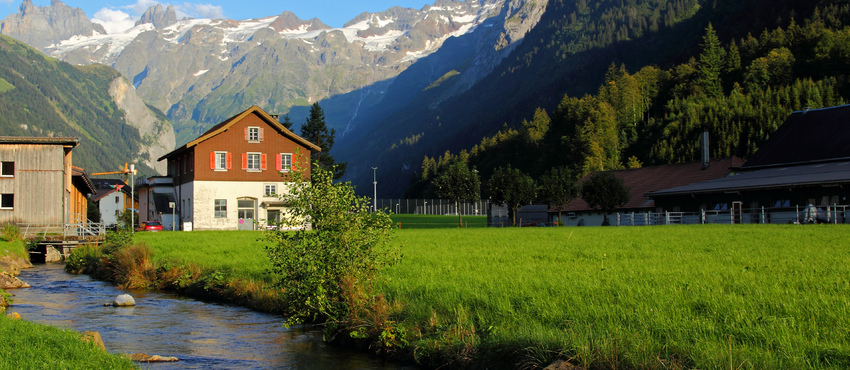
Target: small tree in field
pixel 558 188
pixel 605 191
pixel 460 184
pixel 512 188
pixel 336 251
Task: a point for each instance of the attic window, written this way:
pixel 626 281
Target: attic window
pixel 254 134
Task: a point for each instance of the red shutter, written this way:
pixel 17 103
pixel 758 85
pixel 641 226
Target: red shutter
pixel 263 161
pixel 244 161
pixel 246 134
pixel 293 163
pixel 212 160
pixel 261 134
pixel 277 162
pixel 229 161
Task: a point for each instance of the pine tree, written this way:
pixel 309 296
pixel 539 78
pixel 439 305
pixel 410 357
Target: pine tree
pixel 316 131
pixel 710 64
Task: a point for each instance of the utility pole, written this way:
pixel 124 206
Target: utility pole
pixel 375 194
pixel 132 197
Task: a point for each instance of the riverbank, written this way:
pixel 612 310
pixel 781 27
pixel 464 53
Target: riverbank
pixel 762 296
pixel 28 345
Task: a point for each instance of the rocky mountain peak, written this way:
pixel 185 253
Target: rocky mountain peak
pixel 43 26
pixel 158 17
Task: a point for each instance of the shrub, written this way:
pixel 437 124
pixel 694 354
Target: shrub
pixel 11 232
pixel 84 260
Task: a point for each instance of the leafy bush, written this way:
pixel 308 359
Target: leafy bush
pixel 84 260
pixel 346 244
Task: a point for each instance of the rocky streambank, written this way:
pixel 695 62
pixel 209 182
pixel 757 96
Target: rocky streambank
pixel 10 268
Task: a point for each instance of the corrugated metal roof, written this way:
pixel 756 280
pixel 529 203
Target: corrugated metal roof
pixel 808 136
pixel 74 141
pixel 777 177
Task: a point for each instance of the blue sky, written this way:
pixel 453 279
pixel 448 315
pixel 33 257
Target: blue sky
pixel 121 14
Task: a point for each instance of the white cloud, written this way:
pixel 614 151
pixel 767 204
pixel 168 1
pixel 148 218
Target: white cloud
pixel 114 21
pixel 200 10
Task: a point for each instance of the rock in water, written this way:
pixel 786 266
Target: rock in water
pixel 143 357
pixel 124 300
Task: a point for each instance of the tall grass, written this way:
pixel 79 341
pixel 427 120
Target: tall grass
pixel 683 296
pixel 696 296
pixel 27 345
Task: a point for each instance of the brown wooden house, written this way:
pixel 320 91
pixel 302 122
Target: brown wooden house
pixel 230 176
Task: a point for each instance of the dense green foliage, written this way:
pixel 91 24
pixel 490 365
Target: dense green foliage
pixel 338 248
pixel 511 187
pixel 737 77
pixel 604 191
pixel 53 98
pixel 460 184
pixel 28 345
pixel 557 188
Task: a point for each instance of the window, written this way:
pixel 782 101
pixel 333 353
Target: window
pixel 245 209
pixel 221 208
pixel 284 162
pixel 271 190
pixel 116 199
pixel 7 169
pixel 253 161
pixel 7 201
pixel 220 161
pixel 254 134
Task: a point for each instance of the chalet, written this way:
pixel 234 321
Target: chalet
pixel 640 182
pixel 38 184
pixel 112 197
pixel 805 162
pixel 230 176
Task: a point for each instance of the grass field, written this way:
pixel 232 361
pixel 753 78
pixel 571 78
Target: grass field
pixel 409 221
pixel 697 296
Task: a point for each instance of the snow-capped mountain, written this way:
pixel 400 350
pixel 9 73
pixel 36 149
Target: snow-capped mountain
pixel 201 71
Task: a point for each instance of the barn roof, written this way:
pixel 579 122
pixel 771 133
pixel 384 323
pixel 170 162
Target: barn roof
pixel 807 136
pixel 647 179
pixel 68 141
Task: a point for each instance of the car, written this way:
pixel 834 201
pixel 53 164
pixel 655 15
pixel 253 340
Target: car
pixel 150 226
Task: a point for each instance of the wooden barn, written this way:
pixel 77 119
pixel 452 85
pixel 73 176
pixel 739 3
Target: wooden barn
pixel 38 184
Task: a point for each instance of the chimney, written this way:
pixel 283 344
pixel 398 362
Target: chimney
pixel 705 157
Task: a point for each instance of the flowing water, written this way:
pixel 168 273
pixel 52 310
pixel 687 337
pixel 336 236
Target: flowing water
pixel 202 335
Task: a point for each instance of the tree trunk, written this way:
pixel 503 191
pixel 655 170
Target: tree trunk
pixel 457 208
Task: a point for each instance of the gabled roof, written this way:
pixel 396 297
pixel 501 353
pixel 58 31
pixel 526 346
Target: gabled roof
pixel 226 124
pixel 108 186
pixel 647 179
pixel 833 173
pixel 808 136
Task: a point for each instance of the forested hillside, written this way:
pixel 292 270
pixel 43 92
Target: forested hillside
pixel 737 85
pixel 40 96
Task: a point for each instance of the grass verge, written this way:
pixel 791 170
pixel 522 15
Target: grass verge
pixel 694 296
pixel 27 345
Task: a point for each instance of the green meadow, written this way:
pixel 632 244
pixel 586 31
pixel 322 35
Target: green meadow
pixel 695 296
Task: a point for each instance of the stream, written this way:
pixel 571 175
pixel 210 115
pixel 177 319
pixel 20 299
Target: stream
pixel 202 335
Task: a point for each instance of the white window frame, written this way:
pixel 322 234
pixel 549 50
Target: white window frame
pixel 216 211
pixel 272 187
pixel 259 157
pixel 3 168
pixel 285 165
pixel 253 134
pixel 220 161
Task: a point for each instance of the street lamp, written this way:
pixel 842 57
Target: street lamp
pixel 375 194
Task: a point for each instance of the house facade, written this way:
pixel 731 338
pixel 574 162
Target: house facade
pixel 38 184
pixel 112 197
pixel 230 177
